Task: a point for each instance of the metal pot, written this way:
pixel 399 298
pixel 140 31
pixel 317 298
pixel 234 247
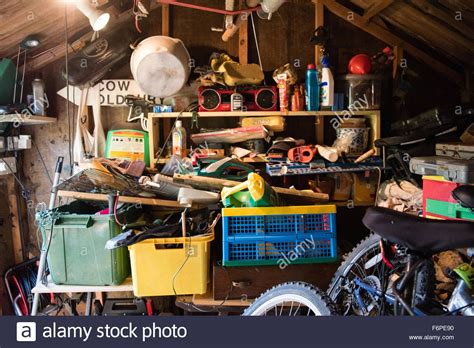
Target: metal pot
pixel 160 65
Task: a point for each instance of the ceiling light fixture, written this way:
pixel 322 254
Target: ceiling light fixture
pixel 97 18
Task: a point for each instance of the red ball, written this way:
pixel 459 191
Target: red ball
pixel 360 64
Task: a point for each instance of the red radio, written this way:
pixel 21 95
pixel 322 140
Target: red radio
pixel 255 98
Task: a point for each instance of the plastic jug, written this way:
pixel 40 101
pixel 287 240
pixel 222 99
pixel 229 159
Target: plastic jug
pixel 312 88
pixel 327 84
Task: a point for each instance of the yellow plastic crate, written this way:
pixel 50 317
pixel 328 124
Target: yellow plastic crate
pixel 171 266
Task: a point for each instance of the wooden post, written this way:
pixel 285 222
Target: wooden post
pixel 165 20
pixel 15 219
pixel 398 56
pixel 165 31
pixel 318 22
pixel 243 42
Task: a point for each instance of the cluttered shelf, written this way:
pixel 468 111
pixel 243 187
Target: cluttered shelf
pixel 26 119
pixel 260 113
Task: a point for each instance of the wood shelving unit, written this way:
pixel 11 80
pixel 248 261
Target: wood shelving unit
pixel 373 117
pixel 27 119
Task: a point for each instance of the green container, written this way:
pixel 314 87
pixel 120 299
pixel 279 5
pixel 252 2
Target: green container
pixel 7 81
pixel 77 254
pixel 448 210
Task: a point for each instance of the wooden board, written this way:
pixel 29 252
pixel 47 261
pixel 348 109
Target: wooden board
pixel 249 282
pixel 123 199
pixel 15 219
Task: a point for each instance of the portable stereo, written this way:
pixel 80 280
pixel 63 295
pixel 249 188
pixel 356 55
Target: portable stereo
pixel 255 98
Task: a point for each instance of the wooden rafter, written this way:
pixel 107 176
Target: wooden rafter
pixel 374 9
pixel 447 17
pixel 391 39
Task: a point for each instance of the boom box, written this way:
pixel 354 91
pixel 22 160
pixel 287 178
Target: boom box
pixel 255 98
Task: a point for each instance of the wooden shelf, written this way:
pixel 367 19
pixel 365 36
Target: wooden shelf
pixel 260 113
pixel 257 159
pixel 27 119
pixel 50 287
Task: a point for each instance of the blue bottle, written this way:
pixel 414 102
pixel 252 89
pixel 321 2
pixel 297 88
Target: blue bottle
pixel 312 89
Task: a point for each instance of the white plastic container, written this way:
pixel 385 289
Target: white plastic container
pixel 327 84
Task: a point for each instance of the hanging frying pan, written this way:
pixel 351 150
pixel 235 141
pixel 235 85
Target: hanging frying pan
pixel 160 65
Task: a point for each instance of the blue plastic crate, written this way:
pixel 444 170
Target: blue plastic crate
pixel 279 235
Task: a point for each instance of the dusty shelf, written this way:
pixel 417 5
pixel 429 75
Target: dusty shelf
pixel 261 113
pixel 27 119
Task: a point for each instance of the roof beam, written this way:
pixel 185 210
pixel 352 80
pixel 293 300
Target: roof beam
pixel 375 8
pixel 444 16
pixel 391 39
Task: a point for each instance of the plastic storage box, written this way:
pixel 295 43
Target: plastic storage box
pixel 171 266
pixel 279 235
pixel 448 211
pixel 438 202
pixel 77 254
pixel 456 150
pixel 363 91
pixel 456 170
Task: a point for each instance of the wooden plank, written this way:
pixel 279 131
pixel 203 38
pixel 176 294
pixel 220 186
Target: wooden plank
pixel 244 42
pixel 446 17
pixel 165 20
pixel 257 279
pixel 318 22
pixel 27 119
pixel 374 9
pixel 219 114
pixel 123 199
pixel 398 56
pixel 391 39
pixel 15 219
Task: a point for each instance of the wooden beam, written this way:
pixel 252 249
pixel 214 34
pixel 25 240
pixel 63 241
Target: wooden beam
pixel 431 31
pixel 244 42
pixel 123 199
pixel 374 9
pixel 446 17
pixel 15 219
pixel 165 20
pixel 318 22
pixel 391 39
pixel 398 56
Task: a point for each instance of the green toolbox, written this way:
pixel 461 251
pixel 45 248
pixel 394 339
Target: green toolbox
pixel 76 254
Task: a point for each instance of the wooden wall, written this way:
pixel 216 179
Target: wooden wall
pixel 283 39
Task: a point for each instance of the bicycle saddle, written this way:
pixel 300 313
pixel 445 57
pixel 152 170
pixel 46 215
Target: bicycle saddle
pixel 464 195
pixel 419 234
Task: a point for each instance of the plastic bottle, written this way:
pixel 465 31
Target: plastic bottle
pixel 327 84
pixel 38 96
pixel 179 140
pixel 312 88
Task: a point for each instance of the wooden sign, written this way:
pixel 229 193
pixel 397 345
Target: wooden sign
pixel 112 93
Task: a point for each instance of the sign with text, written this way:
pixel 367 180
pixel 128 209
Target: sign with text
pixel 111 92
